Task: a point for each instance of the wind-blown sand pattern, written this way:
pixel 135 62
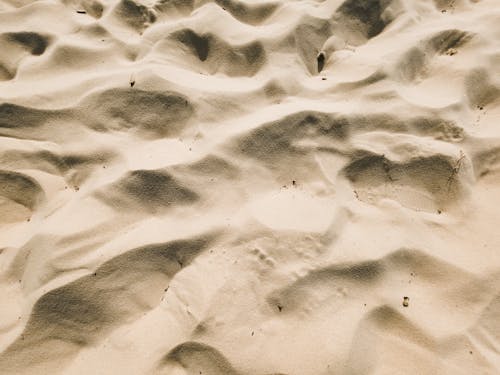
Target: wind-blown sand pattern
pixel 247 187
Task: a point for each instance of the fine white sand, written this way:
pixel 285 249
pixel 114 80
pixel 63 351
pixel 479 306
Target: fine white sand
pixel 239 187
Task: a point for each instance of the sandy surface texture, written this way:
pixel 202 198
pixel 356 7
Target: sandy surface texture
pixel 239 187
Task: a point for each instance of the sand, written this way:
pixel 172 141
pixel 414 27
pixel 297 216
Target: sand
pixel 250 187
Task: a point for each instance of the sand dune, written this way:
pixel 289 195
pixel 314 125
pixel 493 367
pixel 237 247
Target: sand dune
pixel 249 187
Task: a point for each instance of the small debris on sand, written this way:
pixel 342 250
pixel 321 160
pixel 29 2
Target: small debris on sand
pixel 406 301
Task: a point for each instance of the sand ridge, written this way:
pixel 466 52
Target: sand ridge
pixel 249 187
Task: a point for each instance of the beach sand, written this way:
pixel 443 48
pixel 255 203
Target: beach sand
pixel 247 187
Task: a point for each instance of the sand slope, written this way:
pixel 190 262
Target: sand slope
pixel 249 187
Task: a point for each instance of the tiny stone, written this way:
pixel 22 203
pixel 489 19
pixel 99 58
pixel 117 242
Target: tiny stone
pixel 406 301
